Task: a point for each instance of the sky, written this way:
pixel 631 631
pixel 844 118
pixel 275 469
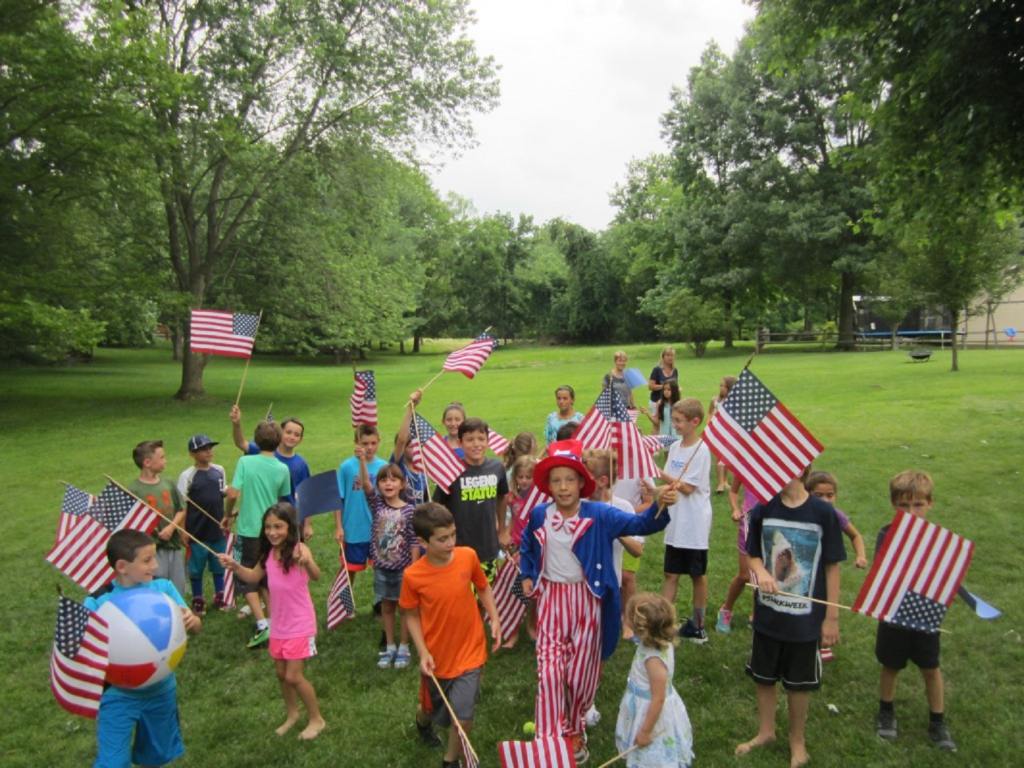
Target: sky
pixel 584 84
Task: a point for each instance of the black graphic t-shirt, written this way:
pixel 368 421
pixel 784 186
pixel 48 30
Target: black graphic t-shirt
pixel 473 502
pixel 795 544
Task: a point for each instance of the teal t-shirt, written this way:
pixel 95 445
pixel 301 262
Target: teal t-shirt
pixel 263 481
pixel 356 519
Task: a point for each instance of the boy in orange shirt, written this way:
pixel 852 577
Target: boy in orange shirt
pixel 444 623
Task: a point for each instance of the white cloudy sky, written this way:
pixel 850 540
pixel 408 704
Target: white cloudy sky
pixel 583 86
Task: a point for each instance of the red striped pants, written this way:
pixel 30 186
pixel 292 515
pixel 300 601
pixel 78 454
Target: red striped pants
pixel 568 657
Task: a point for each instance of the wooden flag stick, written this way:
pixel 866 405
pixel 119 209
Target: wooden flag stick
pixel 441 372
pixel 619 756
pixel 270 412
pixel 803 597
pixel 165 517
pixel 454 717
pixel 190 501
pixel 245 371
pixel 686 466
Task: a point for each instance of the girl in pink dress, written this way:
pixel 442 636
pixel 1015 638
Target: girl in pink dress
pixel 288 565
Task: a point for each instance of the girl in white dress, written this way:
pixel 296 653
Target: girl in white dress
pixel 652 717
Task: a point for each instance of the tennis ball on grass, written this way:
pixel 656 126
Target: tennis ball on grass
pixel 529 728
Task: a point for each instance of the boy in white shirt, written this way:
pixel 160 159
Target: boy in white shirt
pixel 688 470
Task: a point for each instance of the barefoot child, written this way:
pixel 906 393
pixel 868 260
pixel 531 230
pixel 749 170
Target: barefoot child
pixel 288 565
pixel 393 548
pixel 794 539
pixel 566 563
pixel 651 715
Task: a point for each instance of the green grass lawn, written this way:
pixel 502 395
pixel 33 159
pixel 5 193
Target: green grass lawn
pixel 876 413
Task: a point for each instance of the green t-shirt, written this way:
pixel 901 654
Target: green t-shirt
pixel 263 481
pixel 163 496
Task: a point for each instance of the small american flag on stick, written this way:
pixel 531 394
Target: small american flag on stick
pixel 340 602
pixel 75 505
pixel 81 555
pixel 471 357
pixel 214 332
pixel 78 664
pixel 608 425
pixel 916 574
pixel 363 401
pixel 547 752
pixel 497 443
pixel 229 576
pixel 432 455
pixel 757 437
pixel 509 598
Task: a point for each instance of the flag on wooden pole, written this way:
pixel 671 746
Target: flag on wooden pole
pixel 916 574
pixel 340 602
pixel 363 401
pixel 75 505
pixel 228 597
pixel 608 425
pixel 757 437
pixel 497 443
pixel 432 454
pixel 78 663
pixel 471 357
pixel 214 332
pixel 509 598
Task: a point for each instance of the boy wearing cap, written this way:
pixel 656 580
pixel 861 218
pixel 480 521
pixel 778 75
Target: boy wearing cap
pixel 567 565
pixel 203 486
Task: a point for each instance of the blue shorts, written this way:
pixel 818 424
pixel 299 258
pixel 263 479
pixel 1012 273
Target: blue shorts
pixel 356 555
pixel 154 721
pixel 199 559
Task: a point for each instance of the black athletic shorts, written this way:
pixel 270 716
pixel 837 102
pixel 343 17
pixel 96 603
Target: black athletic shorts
pixel 250 558
pixel 895 646
pixel 691 562
pixel 796 665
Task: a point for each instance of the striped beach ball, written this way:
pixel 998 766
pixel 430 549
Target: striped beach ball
pixel 147 637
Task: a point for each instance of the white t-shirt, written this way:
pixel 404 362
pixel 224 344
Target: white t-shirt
pixel 691 515
pixel 617 548
pixel 560 564
pixel 629 489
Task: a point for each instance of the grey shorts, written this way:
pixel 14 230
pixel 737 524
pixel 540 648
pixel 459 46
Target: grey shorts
pixel 386 584
pixel 462 692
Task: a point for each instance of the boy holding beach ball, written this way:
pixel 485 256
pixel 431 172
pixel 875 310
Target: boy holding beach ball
pixel 147 620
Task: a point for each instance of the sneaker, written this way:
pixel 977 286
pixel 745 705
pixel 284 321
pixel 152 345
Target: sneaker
pixel 939 735
pixel 826 654
pixel 386 658
pixel 886 726
pixel 724 623
pixel 244 612
pixel 218 602
pixel 451 764
pixel 198 606
pixel 402 658
pixel 592 718
pixel 579 748
pixel 261 638
pixel 427 735
pixel 693 633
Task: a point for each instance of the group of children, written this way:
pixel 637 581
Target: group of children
pixel 576 557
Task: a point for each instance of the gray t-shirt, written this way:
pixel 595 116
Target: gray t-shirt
pixel 473 502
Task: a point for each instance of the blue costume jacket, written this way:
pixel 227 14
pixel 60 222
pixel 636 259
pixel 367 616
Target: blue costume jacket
pixel 600 524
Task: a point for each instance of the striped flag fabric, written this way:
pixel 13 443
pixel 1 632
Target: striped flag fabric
pixel 509 598
pixel 74 506
pixel 758 438
pixel 471 357
pixel 657 443
pixel 432 455
pixel 340 601
pixel 595 431
pixel 81 555
pixel 229 575
pixel 608 425
pixel 215 332
pixel 497 443
pixel 363 401
pixel 78 663
pixel 546 752
pixel 916 574
pixel 469 758
pixel 534 498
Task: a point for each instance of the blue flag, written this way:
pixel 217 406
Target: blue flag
pixel 318 494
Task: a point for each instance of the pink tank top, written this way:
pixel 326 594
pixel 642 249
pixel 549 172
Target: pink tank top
pixel 292 612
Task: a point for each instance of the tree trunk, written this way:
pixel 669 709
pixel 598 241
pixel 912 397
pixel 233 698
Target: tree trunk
pixel 846 314
pixel 401 347
pixel 417 340
pixel 954 316
pixel 177 340
pixel 727 331
pixel 191 377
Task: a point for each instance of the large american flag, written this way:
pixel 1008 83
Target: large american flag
pixel 363 401
pixel 214 332
pixel 471 357
pixel 74 506
pixel 608 425
pixel 757 437
pixel 916 574
pixel 432 454
pixel 78 663
pixel 340 602
pixel 509 598
pixel 82 554
pixel 546 752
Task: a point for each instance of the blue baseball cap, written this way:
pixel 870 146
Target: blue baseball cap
pixel 199 442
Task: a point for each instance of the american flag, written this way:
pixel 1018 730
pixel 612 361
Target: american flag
pixel 76 503
pixel 757 437
pixel 509 598
pixel 608 425
pixel 82 554
pixel 469 758
pixel 547 752
pixel 78 664
pixel 657 443
pixel 916 574
pixel 471 357
pixel 213 332
pixel 534 498
pixel 229 575
pixel 497 443
pixel 432 455
pixel 340 602
pixel 363 401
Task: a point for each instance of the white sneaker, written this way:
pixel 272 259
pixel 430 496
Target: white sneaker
pixel 592 718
